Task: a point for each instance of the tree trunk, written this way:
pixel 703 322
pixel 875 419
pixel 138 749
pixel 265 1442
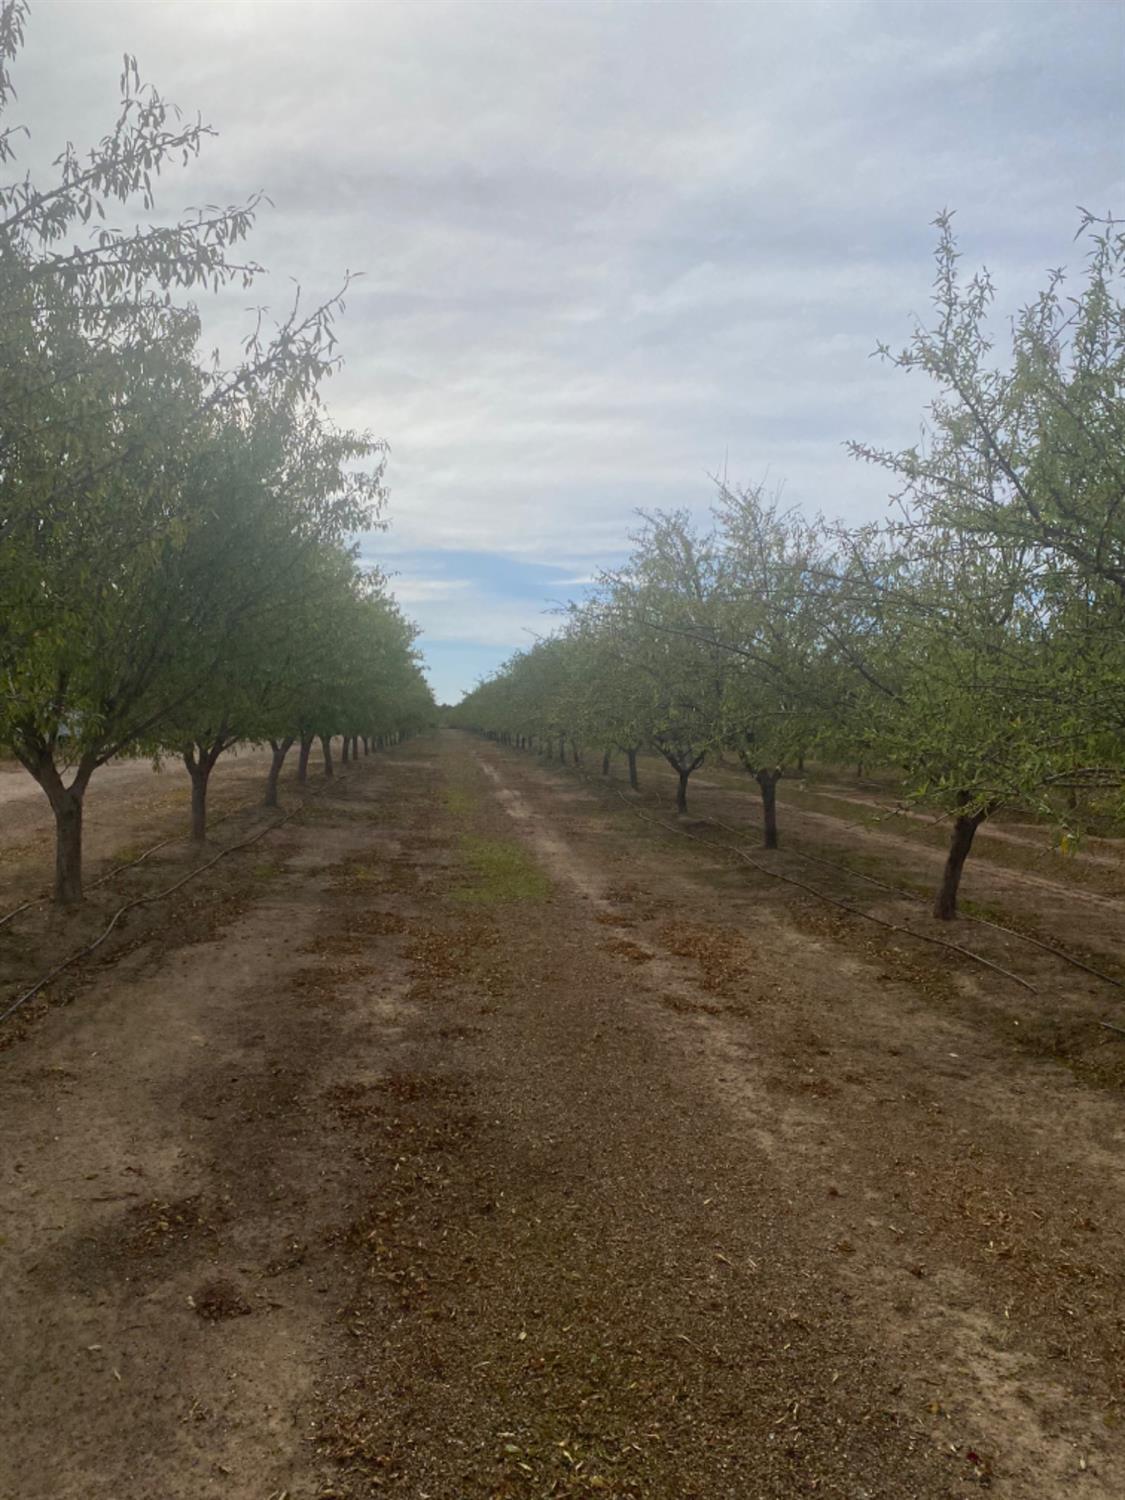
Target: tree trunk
pixel 67 807
pixel 326 746
pixel 631 756
pixel 366 745
pixel 768 780
pixel 681 791
pixel 562 749
pixel 801 761
pixel 605 762
pixel 345 753
pixel 280 750
pixel 199 771
pixel 945 906
pixel 303 759
pixel 66 804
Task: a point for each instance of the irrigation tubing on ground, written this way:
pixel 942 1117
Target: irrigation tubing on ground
pixel 823 896
pixel 831 900
pixel 129 863
pixel 81 953
pixel 898 890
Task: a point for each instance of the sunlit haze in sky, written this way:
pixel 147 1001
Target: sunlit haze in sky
pixel 608 249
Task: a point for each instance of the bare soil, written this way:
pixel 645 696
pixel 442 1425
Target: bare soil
pixel 129 805
pixel 472 1136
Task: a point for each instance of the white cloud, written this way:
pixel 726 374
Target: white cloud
pixel 609 248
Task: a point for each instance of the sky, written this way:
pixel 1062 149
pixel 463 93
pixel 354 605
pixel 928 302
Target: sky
pixel 608 250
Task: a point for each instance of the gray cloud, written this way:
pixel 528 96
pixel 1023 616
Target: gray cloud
pixel 609 246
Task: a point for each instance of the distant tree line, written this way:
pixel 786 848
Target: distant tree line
pixel 975 640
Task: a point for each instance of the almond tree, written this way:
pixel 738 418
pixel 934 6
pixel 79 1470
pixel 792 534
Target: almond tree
pixel 1006 589
pixel 104 414
pixel 770 620
pixel 660 612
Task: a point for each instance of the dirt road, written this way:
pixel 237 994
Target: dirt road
pixel 493 1144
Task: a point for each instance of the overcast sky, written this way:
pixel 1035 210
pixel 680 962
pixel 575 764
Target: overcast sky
pixel 610 248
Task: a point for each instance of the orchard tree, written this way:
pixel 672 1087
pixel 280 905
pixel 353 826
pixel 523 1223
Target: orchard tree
pixel 1008 582
pixel 107 549
pixel 611 697
pixel 769 618
pixel 660 611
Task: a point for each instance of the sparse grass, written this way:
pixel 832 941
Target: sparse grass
pixel 502 872
pixel 127 853
pixel 460 802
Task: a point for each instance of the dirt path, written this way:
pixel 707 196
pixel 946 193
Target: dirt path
pixel 492 1148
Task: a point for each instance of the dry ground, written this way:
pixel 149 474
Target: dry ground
pixel 128 806
pixel 472 1137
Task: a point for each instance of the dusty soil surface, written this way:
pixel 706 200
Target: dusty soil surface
pixel 475 1137
pixel 1015 873
pixel 128 805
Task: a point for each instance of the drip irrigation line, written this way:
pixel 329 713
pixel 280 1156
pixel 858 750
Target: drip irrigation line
pixel 129 863
pixel 27 905
pixel 81 953
pixel 823 896
pixel 911 896
pixel 831 900
pixel 898 890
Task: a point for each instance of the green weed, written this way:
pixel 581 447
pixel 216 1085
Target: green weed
pixel 502 872
pixel 459 802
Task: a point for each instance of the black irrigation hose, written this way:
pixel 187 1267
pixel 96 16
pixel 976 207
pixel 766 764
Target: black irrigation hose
pixel 129 863
pixel 831 900
pixel 821 895
pixel 911 896
pixel 15 911
pixel 137 901
pixel 898 890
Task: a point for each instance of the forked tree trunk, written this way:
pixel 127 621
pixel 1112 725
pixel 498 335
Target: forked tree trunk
pixel 768 780
pixel 303 758
pixel 326 746
pixel 631 756
pixel 961 841
pixel 279 749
